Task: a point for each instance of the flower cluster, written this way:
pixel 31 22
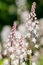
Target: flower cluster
pixel 17 46
pixel 32 26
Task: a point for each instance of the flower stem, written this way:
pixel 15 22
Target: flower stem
pixel 19 61
pixel 30 60
pixel 10 61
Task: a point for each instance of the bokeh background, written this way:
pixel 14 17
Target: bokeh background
pixel 8 11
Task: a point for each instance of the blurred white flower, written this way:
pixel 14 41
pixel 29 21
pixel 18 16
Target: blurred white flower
pixel 18 35
pixel 8 44
pixel 27 35
pixel 30 28
pixel 22 29
pixel 28 23
pixel 37 27
pixel 23 63
pixel 11 49
pixel 20 3
pixel 35 32
pixel 29 52
pixel 33 40
pixel 18 51
pixel 15 62
pixel 41 21
pixel 33 24
pixel 36 46
pixel 33 63
pixel 37 35
pixel 6 62
pixel 12 56
pixel 5 52
pixel 25 16
pixel 36 21
pixel 5 32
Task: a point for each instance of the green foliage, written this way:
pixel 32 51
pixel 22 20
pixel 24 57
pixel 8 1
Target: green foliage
pixel 8 10
pixel 40 61
pixel 1 62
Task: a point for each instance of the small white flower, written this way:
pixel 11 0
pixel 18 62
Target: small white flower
pixel 23 63
pixel 23 50
pixel 30 28
pixel 28 35
pixel 33 63
pixel 37 35
pixel 18 51
pixel 33 40
pixel 25 16
pixel 17 45
pixel 12 56
pixel 5 52
pixel 5 32
pixel 8 38
pixel 8 44
pixel 11 49
pixel 29 52
pixel 29 15
pixel 37 27
pixel 35 18
pixel 22 29
pixel 15 62
pixel 29 22
pixel 21 57
pixel 27 44
pixel 37 21
pixel 18 35
pixel 33 24
pixel 36 46
pixel 35 31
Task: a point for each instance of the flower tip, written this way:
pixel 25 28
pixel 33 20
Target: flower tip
pixel 15 24
pixel 34 3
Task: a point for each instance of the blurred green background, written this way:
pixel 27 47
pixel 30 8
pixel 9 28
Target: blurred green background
pixel 8 11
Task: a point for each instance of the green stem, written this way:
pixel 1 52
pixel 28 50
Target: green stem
pixel 30 60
